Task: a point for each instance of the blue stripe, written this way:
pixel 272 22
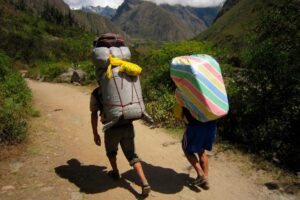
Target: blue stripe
pixel 203 79
pixel 192 107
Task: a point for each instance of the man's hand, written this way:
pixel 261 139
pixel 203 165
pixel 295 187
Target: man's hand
pixel 97 139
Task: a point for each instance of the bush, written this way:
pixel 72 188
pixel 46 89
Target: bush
pixel 265 102
pixel 158 88
pixel 15 104
pixel 4 63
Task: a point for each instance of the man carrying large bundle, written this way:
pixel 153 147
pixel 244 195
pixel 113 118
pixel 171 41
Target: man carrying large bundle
pixel 202 98
pixel 119 101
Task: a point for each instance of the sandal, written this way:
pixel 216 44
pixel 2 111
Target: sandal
pixel 202 182
pixel 146 189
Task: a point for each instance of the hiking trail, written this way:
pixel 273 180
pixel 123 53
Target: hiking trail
pixel 60 160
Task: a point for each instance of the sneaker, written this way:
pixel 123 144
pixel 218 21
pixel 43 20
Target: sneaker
pixel 202 181
pixel 146 189
pixel 114 174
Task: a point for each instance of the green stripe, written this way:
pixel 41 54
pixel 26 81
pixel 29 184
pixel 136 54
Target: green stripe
pixel 208 94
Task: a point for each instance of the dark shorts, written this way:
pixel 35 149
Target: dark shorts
pixel 198 137
pixel 123 135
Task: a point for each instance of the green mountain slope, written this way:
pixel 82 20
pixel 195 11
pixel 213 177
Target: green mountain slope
pixel 143 19
pixel 29 38
pixel 95 23
pixel 231 28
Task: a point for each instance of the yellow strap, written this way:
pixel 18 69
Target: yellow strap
pixel 125 66
pixel 178 113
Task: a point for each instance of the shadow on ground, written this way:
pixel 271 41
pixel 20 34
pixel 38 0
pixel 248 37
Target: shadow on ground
pixel 91 179
pixel 162 180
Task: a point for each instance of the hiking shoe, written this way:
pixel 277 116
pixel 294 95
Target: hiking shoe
pixel 114 174
pixel 202 181
pixel 146 189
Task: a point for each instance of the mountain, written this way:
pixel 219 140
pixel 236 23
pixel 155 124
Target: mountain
pixel 206 15
pixel 187 16
pixel 29 35
pixel 58 11
pixel 227 6
pixel 143 19
pixel 234 22
pixel 104 11
pixel 94 22
pixel 38 6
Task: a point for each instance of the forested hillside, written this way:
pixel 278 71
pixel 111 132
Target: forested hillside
pixel 257 44
pixel 48 42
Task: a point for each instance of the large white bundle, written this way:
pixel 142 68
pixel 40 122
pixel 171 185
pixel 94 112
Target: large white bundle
pixel 101 54
pixel 122 94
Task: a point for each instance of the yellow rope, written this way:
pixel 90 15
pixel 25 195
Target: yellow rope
pixel 125 67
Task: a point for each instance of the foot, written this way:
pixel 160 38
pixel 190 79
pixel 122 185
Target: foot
pixel 202 181
pixel 114 174
pixel 146 189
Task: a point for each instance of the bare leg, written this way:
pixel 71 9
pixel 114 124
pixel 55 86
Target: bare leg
pixel 146 189
pixel 194 162
pixel 204 162
pixel 139 170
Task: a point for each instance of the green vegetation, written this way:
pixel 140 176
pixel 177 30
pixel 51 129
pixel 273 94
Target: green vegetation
pixel 158 88
pixel 263 86
pixel 15 103
pixel 265 110
pixel 46 46
pixel 32 40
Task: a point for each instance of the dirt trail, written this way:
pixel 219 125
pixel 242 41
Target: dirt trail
pixel 61 160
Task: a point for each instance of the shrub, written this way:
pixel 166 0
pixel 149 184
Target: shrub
pixel 15 104
pixel 265 101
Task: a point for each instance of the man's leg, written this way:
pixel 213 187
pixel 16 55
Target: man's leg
pixel 204 162
pixel 128 148
pixel 204 165
pixel 146 189
pixel 140 172
pixel 111 147
pixel 113 162
pixel 193 160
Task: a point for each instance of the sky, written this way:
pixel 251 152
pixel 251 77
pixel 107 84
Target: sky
pixel 76 4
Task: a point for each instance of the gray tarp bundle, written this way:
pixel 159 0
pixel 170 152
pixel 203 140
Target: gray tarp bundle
pixel 122 94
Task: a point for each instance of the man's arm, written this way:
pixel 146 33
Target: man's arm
pixel 94 122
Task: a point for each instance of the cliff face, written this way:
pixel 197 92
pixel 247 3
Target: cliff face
pixel 227 6
pixel 145 19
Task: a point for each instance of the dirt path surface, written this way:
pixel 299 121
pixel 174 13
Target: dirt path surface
pixel 61 160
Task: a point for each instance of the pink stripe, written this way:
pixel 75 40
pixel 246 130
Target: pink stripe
pixel 213 72
pixel 207 66
pixel 207 102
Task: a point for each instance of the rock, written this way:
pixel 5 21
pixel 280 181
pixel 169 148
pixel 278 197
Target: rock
pixel 65 77
pixel 8 187
pixel 72 76
pixel 78 76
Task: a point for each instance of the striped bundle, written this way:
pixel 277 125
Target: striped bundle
pixel 200 86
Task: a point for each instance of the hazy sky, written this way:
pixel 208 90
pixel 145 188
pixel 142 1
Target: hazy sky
pixel 115 3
